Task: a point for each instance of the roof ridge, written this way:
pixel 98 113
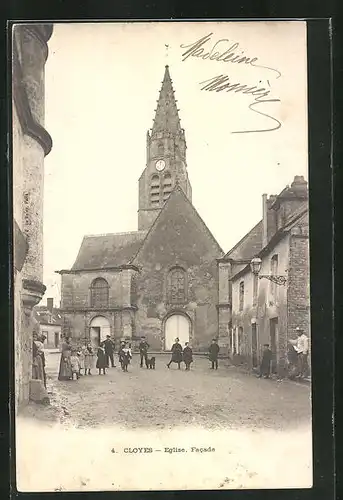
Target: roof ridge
pixel 243 238
pixel 112 234
pixel 176 188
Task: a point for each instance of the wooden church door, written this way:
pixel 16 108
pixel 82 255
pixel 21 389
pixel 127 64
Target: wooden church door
pixel 176 325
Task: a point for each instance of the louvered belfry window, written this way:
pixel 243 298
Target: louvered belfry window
pixel 177 286
pixel 167 186
pixel 99 293
pixel 155 190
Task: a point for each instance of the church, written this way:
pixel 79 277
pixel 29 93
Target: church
pixel 161 281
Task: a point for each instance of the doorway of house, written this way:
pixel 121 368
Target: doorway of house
pixel 178 326
pixel 273 326
pixel 254 345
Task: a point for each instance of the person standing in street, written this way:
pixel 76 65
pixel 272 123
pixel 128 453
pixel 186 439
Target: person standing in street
pixel 213 354
pixel 65 366
pixel 109 347
pixel 266 362
pixel 187 356
pixel 101 361
pixel 176 354
pixel 301 345
pixel 89 358
pixel 143 351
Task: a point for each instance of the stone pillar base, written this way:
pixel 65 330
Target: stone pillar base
pixel 38 392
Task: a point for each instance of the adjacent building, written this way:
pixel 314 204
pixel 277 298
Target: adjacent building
pixel 50 324
pixel 160 281
pixel 270 296
pixel 31 143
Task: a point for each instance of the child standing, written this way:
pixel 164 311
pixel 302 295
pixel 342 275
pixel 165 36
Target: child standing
pixel 75 365
pixel 81 355
pixel 101 363
pixel 125 355
pixel 188 356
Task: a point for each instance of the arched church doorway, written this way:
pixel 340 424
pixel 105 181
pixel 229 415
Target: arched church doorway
pixel 177 325
pixel 98 329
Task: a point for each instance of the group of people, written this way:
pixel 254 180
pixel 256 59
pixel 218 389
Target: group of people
pixel 297 357
pixel 79 361
pixel 186 354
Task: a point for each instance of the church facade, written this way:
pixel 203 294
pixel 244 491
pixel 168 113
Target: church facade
pixel 161 281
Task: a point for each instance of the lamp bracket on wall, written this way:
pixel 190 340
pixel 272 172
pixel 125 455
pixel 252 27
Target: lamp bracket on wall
pixel 279 280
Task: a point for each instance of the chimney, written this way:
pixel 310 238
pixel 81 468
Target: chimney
pixel 264 220
pixel 50 304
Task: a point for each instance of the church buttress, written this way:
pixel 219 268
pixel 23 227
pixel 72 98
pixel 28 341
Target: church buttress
pixel 166 158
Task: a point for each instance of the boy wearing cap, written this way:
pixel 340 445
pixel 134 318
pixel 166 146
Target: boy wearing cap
pixel 143 351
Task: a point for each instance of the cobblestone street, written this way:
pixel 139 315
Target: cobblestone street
pixel 164 397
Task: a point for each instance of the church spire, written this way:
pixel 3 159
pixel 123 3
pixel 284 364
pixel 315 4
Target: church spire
pixel 166 117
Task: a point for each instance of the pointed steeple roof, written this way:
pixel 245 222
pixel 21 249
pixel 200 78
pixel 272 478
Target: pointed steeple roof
pixel 166 117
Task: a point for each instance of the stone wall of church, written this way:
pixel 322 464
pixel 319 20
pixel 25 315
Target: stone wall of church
pixel 200 306
pixel 179 239
pixel 75 288
pixel 78 312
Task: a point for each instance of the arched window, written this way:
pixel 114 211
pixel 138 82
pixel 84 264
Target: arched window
pixel 167 186
pixel 99 293
pixel 241 296
pixel 155 190
pixel 177 286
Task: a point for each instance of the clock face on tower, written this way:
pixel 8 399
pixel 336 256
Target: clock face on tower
pixel 160 164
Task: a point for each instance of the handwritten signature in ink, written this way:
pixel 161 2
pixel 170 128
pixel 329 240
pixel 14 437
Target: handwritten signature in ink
pixel 196 49
pixel 222 83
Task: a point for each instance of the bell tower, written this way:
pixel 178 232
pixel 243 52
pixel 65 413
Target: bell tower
pixel 165 158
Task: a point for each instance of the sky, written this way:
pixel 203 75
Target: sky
pixel 102 81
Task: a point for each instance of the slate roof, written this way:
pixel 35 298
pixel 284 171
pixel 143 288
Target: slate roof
pixel 45 317
pixel 295 218
pixel 175 192
pixel 108 250
pixel 248 246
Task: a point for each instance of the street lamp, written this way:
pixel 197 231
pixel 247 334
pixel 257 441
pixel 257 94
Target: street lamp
pixel 255 266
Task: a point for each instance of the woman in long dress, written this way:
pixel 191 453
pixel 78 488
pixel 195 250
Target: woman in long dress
pixel 65 372
pixel 89 359
pixel 176 353
pixel 37 359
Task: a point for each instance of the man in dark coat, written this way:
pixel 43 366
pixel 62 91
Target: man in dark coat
pixel 109 350
pixel 176 354
pixel 187 356
pixel 266 362
pixel 143 351
pixel 213 354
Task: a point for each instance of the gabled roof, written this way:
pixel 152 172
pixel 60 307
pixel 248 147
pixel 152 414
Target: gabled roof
pixel 108 250
pixel 178 191
pixel 45 317
pixel 295 218
pixel 248 246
